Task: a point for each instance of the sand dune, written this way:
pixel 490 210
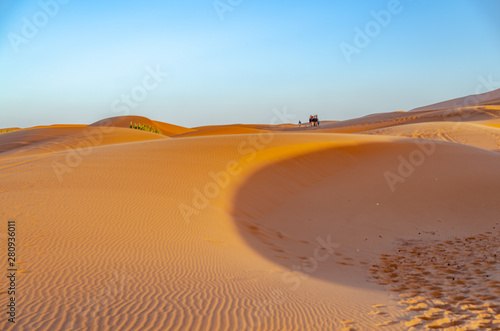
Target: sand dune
pixel 488 98
pixel 385 120
pixel 263 127
pixel 343 191
pixel 55 139
pixel 225 130
pixel 467 133
pixel 493 122
pixel 22 138
pixel 249 227
pixel 4 130
pixel 124 122
pixel 106 287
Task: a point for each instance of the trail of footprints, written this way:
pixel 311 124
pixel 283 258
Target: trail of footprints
pixel 450 285
pixel 280 242
pixel 445 285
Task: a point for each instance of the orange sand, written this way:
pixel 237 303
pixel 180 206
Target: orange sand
pixel 257 227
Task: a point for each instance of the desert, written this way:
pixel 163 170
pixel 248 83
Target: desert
pixel 237 165
pixel 389 221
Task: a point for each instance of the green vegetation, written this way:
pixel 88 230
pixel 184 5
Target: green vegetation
pixel 6 130
pixel 145 127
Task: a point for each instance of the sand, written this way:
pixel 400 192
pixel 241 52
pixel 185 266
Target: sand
pixel 487 98
pixel 387 222
pixel 484 135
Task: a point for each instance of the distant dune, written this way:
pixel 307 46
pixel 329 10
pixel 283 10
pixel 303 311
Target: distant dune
pixel 488 98
pixel 493 122
pixel 56 139
pixel 224 130
pixel 385 222
pixel 124 122
pixel 467 133
pixel 384 120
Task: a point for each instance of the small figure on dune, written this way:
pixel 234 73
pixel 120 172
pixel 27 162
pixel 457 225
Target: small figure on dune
pixel 300 123
pixel 313 120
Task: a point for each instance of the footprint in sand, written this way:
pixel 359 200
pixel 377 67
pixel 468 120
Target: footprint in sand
pixel 348 322
pixel 448 284
pixel 345 264
pixel 253 228
pixel 378 312
pixel 348 325
pixel 413 323
pixel 378 306
pixel 387 323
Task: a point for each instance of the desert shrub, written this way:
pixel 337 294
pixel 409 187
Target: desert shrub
pixel 145 127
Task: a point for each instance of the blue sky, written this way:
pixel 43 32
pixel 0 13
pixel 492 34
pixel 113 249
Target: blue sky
pixel 238 63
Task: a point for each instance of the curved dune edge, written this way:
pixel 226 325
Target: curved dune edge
pixel 296 246
pixel 363 311
pixel 260 159
pixel 134 263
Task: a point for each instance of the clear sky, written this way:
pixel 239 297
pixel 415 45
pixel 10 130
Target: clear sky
pixel 234 61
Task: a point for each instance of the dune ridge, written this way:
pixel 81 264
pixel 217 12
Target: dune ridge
pixel 487 98
pixel 391 119
pixel 124 122
pixel 467 133
pixel 50 140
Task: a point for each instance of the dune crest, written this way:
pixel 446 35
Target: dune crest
pixel 487 98
pixel 124 122
pixel 467 133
